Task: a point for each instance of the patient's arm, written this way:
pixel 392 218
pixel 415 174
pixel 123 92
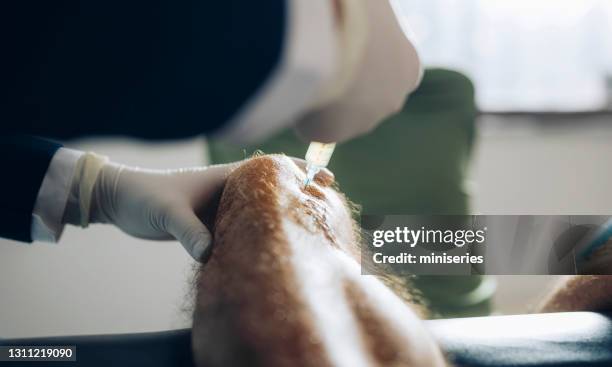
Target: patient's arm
pixel 585 292
pixel 283 287
pixel 580 293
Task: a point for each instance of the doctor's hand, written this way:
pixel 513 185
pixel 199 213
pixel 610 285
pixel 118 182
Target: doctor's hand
pixel 147 203
pixel 383 72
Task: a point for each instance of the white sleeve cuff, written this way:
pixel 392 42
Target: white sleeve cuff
pixel 307 62
pixel 52 196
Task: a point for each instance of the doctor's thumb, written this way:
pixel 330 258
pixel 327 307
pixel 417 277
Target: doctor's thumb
pixel 189 230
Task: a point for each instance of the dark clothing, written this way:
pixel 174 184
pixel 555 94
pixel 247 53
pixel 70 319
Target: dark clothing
pixel 147 69
pixel 24 161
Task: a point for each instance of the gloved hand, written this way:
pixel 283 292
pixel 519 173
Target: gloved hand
pixel 387 70
pixel 147 203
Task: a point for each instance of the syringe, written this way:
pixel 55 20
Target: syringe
pixel 317 157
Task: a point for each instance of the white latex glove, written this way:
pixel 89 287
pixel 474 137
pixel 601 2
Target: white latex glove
pixel 152 204
pixel 388 70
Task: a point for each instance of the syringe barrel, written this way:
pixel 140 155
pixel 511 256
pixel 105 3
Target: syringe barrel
pixel 319 154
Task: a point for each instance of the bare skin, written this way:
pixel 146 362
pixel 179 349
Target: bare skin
pixel 580 293
pixel 283 285
pixel 584 292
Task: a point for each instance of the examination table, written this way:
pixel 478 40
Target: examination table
pixel 562 339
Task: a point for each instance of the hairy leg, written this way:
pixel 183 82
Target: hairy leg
pixel 283 285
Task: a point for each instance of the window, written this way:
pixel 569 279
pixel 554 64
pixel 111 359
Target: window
pixel 523 55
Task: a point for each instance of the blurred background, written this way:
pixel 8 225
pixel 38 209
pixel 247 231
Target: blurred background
pixel 523 55
pixel 514 117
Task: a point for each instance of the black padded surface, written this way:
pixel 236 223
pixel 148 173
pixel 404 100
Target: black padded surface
pixel 551 340
pixel 159 349
pixel 562 339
